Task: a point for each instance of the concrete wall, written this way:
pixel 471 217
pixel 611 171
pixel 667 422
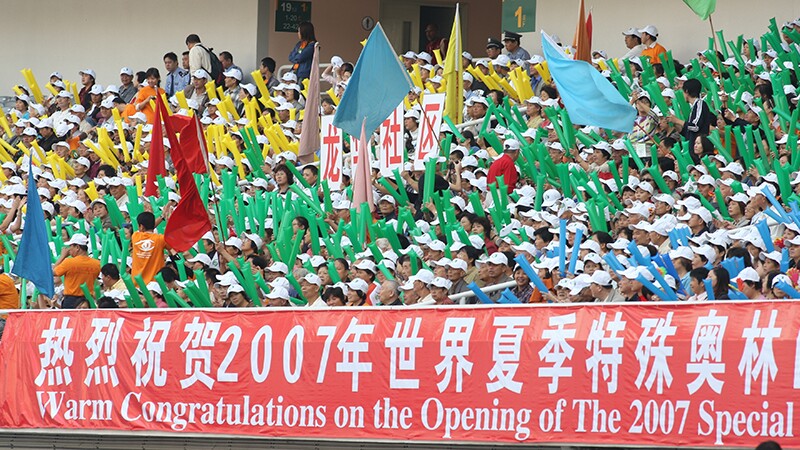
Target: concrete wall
pixel 69 35
pixel 108 35
pixel 679 29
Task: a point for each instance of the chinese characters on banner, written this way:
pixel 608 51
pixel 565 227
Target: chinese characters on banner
pixel 429 123
pixel 391 142
pixel 721 374
pixel 330 155
pixel 355 153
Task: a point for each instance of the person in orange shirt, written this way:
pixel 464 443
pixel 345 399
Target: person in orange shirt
pixel 148 248
pixel 9 298
pixel 148 92
pixel 652 49
pixel 77 268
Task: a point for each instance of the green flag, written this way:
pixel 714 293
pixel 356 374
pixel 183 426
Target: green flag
pixel 703 8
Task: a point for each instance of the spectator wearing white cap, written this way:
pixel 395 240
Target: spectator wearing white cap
pixel 603 289
pixel 439 287
pixel 233 80
pixel 751 283
pixel 630 287
pixel 633 40
pixel 127 90
pixel 456 273
pixel 310 286
pixel 497 267
pixel 387 206
pixel 357 292
pixel 279 296
pixel 228 250
pixel 62 105
pixel 87 82
pixel 366 270
pixel 196 89
pixel 237 297
pixel 652 49
pixel 47 133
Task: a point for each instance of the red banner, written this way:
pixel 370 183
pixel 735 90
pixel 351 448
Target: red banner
pixel 667 374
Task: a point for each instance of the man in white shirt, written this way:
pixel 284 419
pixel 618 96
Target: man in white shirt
pixel 633 40
pixel 198 56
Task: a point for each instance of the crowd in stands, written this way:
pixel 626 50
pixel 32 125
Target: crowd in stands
pixel 698 202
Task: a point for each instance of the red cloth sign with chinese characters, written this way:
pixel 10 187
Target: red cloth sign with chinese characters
pixel 716 374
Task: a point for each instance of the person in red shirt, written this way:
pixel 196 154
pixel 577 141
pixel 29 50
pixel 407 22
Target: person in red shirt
pixel 505 166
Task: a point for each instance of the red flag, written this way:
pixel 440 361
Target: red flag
pixel 583 48
pixel 169 123
pixel 589 27
pixel 156 165
pixel 193 143
pixel 362 176
pixel 189 222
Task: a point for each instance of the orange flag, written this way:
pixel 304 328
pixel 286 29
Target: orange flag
pixel 582 43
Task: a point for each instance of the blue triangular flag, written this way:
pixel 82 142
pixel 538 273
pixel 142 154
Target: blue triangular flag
pixel 589 98
pixel 33 258
pixel 378 84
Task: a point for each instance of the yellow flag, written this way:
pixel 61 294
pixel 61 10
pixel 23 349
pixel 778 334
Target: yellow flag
pixel 453 74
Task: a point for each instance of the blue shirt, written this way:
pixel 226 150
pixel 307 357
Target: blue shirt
pixel 176 81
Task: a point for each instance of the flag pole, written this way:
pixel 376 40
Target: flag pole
pixel 713 33
pixel 716 45
pixel 204 152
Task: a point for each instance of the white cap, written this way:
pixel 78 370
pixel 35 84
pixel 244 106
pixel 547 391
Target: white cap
pixel 154 288
pixel 201 73
pixel 441 282
pixel 278 267
pixel 601 277
pixel 749 274
pixel 358 285
pixel 498 258
pixel 233 73
pixel 424 275
pixel 78 239
pixel 234 288
pixel 650 29
pixel 278 292
pixel 312 278
pixel 201 258
pixel 632 32
pixel 580 283
pixel 366 264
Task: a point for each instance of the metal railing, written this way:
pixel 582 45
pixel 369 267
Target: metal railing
pixel 461 297
pixel 287 67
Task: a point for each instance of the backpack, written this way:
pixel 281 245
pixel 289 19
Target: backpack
pixel 216 67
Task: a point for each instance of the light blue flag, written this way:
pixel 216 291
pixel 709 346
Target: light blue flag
pixel 33 258
pixel 378 84
pixel 590 99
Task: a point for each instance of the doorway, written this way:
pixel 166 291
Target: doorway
pixel 440 17
pixel 404 21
